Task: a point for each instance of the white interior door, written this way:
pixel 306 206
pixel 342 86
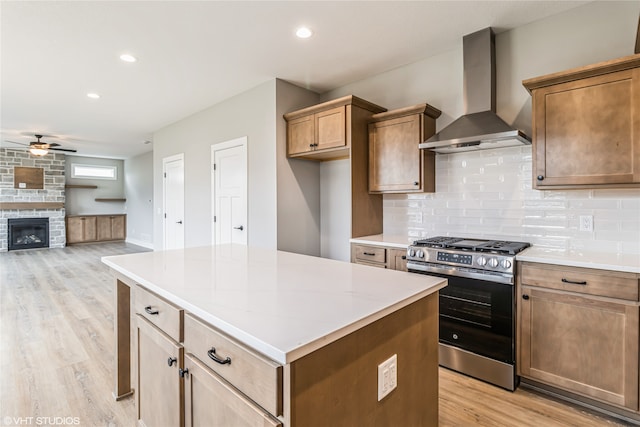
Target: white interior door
pixel 229 184
pixel 173 203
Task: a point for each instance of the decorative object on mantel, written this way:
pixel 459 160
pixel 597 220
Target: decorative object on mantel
pixel 28 178
pixel 39 148
pixel 31 205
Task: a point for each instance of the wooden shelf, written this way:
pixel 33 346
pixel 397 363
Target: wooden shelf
pixel 110 200
pixel 80 186
pixel 31 205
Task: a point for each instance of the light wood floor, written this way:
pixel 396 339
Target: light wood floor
pixel 56 352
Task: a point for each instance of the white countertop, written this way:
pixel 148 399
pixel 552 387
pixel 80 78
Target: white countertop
pixel 400 242
pixel 282 304
pixel 604 261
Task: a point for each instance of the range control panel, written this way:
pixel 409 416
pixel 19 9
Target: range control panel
pixel 455 258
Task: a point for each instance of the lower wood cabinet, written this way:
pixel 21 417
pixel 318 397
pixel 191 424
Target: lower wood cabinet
pixel 81 229
pixel 159 386
pixel 212 401
pixel 95 228
pixel 379 256
pixel 578 331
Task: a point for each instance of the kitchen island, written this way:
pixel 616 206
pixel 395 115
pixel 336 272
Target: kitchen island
pixel 288 339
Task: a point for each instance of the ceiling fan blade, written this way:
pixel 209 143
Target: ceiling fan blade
pixel 19 143
pixel 63 149
pixel 53 144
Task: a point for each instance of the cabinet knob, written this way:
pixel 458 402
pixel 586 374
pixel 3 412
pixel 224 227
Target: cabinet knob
pixel 183 372
pixel 540 177
pixel 525 297
pixel 416 183
pixel 171 361
pixel 311 145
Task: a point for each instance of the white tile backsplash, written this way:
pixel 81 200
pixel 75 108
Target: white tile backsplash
pixel 488 194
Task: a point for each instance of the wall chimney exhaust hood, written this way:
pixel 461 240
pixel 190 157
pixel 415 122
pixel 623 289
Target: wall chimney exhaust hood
pixel 480 128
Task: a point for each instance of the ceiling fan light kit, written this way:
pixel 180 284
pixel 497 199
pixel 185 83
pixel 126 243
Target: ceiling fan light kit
pixel 38 151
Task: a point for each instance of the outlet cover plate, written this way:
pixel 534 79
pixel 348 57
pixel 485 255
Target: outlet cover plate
pixel 387 376
pixel 586 222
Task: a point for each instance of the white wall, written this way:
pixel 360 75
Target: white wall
pixel 248 114
pixel 138 189
pixel 490 192
pixel 81 201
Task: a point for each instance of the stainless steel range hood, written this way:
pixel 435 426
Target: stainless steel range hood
pixel 480 128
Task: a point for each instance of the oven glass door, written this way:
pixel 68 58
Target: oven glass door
pixel 477 316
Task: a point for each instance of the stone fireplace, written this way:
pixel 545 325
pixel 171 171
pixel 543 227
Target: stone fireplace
pixel 42 203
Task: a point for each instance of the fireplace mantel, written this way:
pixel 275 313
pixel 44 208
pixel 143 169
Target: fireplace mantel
pixel 31 205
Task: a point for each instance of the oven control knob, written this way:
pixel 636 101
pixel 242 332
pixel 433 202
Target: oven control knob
pixel 505 263
pixel 420 253
pixel 493 262
pixel 412 252
pixel 482 261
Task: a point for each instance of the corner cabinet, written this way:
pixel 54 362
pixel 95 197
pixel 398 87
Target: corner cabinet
pixel 336 130
pixel 379 256
pixel 95 228
pixel 396 164
pixel 586 126
pixel 578 331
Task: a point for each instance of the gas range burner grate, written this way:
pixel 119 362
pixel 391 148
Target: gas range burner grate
pixel 497 246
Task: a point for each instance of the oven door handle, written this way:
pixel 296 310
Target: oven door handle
pixel 415 267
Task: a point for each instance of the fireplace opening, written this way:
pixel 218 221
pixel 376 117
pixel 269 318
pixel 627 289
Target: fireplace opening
pixel 28 233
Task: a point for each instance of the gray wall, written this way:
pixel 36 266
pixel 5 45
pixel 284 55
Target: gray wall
pixel 248 114
pixel 138 189
pixel 80 201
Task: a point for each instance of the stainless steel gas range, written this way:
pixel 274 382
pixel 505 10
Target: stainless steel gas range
pixel 477 308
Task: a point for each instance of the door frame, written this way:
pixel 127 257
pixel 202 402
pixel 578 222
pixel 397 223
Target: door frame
pixel 236 142
pixel 165 161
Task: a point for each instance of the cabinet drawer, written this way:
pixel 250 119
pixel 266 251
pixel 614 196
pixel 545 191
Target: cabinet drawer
pixel 254 375
pixel 370 254
pixel 583 280
pixel 160 312
pixel 212 401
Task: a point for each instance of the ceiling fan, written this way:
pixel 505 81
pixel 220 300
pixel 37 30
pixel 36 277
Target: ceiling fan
pixel 39 148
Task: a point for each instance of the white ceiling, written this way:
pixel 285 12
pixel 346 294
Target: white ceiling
pixel 192 55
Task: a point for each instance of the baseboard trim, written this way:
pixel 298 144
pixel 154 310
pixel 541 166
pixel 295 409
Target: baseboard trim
pixel 142 243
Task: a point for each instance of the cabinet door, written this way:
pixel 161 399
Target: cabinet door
pixel 211 401
pixel 586 345
pixel 398 259
pixel 330 128
pixel 395 161
pixel 103 227
pixel 300 135
pixel 587 132
pixel 89 230
pixel 118 227
pixel 159 392
pixel 75 229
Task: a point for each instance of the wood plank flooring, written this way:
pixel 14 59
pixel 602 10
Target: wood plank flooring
pixel 56 352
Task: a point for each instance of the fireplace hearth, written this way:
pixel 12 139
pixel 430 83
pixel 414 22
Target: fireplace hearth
pixel 28 233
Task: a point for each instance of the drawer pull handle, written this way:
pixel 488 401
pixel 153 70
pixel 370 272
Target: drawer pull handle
pixel 525 297
pixel 151 311
pixel 369 253
pixel 171 361
pixel 183 372
pixel 573 282
pixel 213 356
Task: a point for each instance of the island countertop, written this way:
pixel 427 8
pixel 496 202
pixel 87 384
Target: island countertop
pixel 282 304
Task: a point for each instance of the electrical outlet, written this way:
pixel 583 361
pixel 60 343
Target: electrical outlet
pixel 586 222
pixel 387 376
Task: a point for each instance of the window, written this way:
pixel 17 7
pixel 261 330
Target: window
pixel 94 172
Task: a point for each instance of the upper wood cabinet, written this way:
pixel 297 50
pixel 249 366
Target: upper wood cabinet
pixel 396 164
pixel 322 132
pixel 586 126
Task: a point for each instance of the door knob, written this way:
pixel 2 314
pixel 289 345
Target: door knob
pixel 239 228
pixel 179 222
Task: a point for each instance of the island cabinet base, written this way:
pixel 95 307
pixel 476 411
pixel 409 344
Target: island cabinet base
pixel 333 385
pixel 337 384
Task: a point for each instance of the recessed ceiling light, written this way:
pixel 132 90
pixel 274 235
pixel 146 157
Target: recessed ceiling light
pixel 304 32
pixel 128 58
pixel 93 95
